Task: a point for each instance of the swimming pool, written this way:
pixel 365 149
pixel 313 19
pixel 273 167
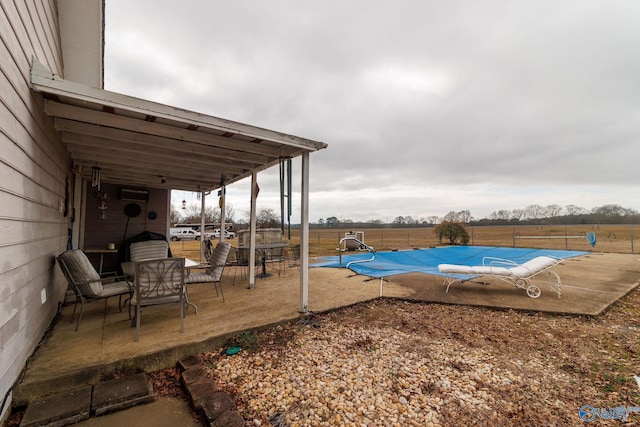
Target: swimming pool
pixel 426 260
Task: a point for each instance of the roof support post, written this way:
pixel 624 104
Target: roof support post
pixel 202 225
pixel 223 208
pixel 77 215
pixel 304 235
pixel 252 232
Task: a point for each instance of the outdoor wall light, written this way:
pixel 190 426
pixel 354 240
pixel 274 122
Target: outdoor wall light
pixel 184 204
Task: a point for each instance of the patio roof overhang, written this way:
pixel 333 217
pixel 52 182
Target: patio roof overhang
pixel 144 143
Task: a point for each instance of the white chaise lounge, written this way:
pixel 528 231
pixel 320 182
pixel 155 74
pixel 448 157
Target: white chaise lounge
pixel 520 275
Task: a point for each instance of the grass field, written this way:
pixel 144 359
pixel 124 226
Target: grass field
pixel 323 242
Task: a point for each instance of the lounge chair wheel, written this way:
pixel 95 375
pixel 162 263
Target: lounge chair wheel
pixel 533 291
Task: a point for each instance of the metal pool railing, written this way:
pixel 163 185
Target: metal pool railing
pixel 363 245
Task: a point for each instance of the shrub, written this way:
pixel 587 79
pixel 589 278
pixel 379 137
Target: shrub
pixel 454 231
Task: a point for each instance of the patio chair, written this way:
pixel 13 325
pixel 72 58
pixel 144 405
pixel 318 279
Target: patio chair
pixel 86 283
pixel 521 275
pixel 213 272
pixel 158 282
pixel 242 261
pixel 143 251
pixel 293 257
pixel 275 257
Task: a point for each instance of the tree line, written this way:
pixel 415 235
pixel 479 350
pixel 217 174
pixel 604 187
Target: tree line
pixel 530 215
pixel 191 214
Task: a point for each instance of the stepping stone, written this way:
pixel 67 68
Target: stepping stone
pixel 121 393
pixel 60 409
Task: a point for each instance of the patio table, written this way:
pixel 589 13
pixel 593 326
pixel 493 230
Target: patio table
pixel 263 248
pixel 101 252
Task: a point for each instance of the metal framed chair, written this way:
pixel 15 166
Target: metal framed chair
pixel 86 283
pixel 142 251
pixel 213 272
pixel 242 262
pixel 158 282
pixel 275 258
pixel 293 256
pixel 523 276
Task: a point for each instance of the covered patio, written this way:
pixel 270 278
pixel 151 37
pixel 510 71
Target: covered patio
pixel 140 145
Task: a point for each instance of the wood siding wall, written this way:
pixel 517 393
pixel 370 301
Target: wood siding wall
pixel 34 166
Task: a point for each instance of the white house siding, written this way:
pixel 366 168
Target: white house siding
pixel 33 169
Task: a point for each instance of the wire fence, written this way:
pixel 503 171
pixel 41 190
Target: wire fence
pixel 609 238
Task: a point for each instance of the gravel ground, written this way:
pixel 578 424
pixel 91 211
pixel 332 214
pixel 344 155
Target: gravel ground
pixel 397 363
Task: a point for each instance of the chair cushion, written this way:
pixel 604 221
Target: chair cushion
pixel 218 260
pixel 150 249
pixel 523 271
pixel 128 268
pixel 533 266
pixel 477 269
pixel 82 272
pixel 115 288
pixel 200 278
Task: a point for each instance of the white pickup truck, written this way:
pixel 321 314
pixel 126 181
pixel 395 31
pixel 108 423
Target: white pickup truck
pixel 182 233
pixel 227 234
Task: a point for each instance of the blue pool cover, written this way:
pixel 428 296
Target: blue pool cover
pixel 426 260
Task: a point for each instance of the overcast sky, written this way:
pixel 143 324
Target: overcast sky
pixel 427 106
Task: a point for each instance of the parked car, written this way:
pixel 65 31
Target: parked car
pixel 183 234
pixel 227 234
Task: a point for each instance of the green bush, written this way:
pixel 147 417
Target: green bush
pixel 454 231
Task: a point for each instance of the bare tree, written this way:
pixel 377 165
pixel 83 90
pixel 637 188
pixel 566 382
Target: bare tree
pixel 191 213
pixel 450 216
pixel 502 215
pixel 613 210
pixel 174 216
pixel 534 211
pixel 399 220
pixel 331 221
pixel 517 214
pixel 433 219
pixel 464 216
pixel 266 218
pixel 553 210
pixel 575 210
pixel 229 213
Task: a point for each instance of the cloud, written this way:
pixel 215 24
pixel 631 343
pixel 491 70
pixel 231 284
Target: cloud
pixel 426 106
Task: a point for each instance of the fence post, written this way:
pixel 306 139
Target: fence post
pixel 631 233
pixel 513 235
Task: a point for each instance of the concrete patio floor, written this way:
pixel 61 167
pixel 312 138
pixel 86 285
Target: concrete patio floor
pixel 105 344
